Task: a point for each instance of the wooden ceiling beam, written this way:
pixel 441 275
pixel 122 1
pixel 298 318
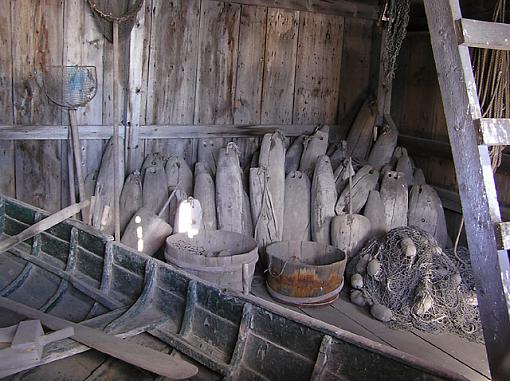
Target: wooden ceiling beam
pixel 362 9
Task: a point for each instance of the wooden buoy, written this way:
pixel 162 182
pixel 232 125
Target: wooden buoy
pixel 305 273
pixel 383 149
pixel 272 159
pixel 296 220
pixel 374 211
pixel 293 155
pixel 314 146
pixel 90 184
pixel 394 196
pixel 130 198
pixel 338 155
pixel 154 158
pixel 419 177
pixel 405 166
pixel 350 232
pixel 247 227
pixel 146 232
pixel 102 213
pixel 229 190
pixel 323 199
pixel 363 182
pixel 155 188
pixel 361 134
pixel 342 173
pixel 205 192
pixel 208 150
pixel 426 212
pixel 178 173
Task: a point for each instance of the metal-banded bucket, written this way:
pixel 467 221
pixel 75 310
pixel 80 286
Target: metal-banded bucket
pixel 225 259
pixel 305 273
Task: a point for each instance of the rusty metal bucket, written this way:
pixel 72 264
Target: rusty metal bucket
pixel 305 273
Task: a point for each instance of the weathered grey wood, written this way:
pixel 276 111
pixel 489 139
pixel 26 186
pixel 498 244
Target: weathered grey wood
pixel 130 198
pixel 323 200
pixel 173 62
pixel 494 132
pixel 7 167
pixel 217 62
pixel 475 179
pixel 280 66
pixel 155 188
pixel 350 232
pixel 318 68
pixel 313 146
pixel 483 34
pixel 296 219
pixel 205 192
pixel 143 357
pixel 162 131
pixel 250 65
pixel 394 196
pixel 368 10
pixel 353 199
pixel 360 137
pixel 42 225
pixel 374 211
pixel 38 164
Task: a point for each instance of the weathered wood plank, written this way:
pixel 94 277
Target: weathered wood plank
pixel 217 62
pixel 367 10
pixel 494 132
pixel 7 167
pixel 170 131
pixel 37 42
pixel 250 65
pixel 319 60
pixel 173 61
pixel 483 34
pixel 476 182
pixel 355 73
pixel 280 66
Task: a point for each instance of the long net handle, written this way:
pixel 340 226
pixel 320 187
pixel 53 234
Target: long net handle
pixel 129 15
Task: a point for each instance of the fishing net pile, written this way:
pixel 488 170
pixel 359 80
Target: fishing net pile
pixel 412 282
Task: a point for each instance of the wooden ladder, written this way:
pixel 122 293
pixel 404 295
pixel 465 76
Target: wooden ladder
pixel 470 135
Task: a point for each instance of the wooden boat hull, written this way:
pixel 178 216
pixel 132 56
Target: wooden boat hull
pixel 79 274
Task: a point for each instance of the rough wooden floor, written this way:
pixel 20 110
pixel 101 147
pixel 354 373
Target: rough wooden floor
pixel 449 351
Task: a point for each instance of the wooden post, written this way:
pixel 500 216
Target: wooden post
pixel 116 145
pixel 475 180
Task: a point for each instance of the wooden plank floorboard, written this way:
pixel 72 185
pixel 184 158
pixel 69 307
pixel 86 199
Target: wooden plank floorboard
pixel 407 341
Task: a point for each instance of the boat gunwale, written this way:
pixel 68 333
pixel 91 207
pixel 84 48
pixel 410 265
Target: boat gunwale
pixel 324 328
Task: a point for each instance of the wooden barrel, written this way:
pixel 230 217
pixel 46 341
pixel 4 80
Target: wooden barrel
pixel 305 273
pixel 225 259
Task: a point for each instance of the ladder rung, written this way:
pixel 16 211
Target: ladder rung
pixel 483 34
pixel 494 132
pixel 503 235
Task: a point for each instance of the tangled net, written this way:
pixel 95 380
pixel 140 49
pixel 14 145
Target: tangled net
pixel 423 286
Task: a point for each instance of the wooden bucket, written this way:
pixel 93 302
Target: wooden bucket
pixel 225 259
pixel 304 272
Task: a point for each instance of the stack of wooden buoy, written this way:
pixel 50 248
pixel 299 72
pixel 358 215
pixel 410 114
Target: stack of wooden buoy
pixel 301 189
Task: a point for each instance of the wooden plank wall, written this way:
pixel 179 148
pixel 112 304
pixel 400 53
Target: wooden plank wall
pixel 203 62
pixel 418 111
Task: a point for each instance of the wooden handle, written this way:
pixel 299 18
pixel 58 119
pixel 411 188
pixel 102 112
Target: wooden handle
pixel 43 225
pixel 140 356
pixel 75 137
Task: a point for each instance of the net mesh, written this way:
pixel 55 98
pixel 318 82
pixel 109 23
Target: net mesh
pixel 433 290
pixel 396 14
pixel 70 86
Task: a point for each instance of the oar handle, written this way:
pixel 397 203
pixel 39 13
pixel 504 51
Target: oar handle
pixel 43 225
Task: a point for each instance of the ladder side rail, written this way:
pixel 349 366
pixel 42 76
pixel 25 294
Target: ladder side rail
pixel 475 180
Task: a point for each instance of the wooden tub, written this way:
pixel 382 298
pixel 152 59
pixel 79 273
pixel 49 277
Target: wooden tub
pixel 305 273
pixel 224 258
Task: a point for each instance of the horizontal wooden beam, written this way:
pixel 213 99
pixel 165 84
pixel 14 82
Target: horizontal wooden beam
pixel 483 34
pixel 154 131
pixel 429 147
pixel 336 7
pixel 494 132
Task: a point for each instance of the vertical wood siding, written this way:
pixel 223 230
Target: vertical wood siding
pixel 203 62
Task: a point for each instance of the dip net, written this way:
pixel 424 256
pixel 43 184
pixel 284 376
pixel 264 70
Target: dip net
pixel 432 290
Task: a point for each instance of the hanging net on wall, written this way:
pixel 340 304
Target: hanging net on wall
pixel 396 15
pixel 430 289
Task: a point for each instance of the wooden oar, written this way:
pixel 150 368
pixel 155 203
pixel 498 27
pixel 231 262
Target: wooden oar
pixel 140 356
pixel 43 225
